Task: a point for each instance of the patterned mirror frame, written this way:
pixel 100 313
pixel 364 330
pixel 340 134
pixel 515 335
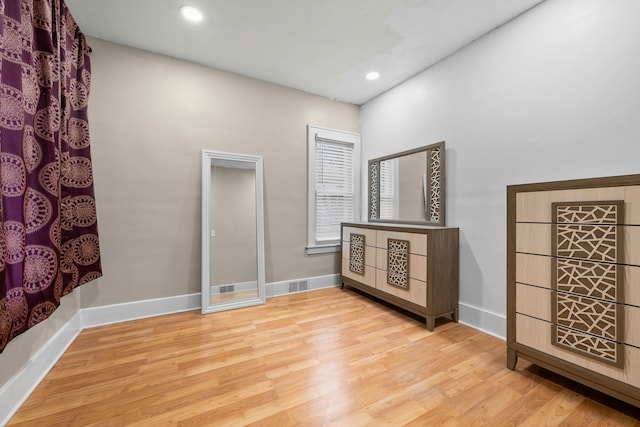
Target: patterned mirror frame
pixel 435 185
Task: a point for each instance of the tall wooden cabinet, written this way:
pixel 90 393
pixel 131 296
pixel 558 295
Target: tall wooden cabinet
pixel 412 267
pixel 573 280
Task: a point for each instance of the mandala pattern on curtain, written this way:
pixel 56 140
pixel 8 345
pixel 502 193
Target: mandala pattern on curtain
pixel 48 228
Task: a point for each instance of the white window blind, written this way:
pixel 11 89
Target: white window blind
pixel 335 189
pixel 387 189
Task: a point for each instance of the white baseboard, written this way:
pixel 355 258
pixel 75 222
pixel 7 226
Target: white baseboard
pixel 276 289
pixel 116 313
pixel 14 392
pixel 483 320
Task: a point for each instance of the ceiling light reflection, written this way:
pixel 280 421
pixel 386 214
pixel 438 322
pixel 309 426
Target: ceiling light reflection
pixel 373 75
pixel 191 13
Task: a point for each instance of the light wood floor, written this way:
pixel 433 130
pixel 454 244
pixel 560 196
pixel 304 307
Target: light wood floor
pixel 329 357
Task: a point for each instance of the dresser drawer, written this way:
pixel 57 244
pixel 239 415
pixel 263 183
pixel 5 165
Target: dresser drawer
pixel 535 206
pixel 369 254
pixel 536 334
pixel 417 242
pixel 369 235
pixel 417 264
pixel 416 293
pixel 536 270
pixel 368 278
pixel 536 239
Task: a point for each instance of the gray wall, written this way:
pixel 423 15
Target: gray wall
pixel 550 96
pixel 19 350
pixel 150 118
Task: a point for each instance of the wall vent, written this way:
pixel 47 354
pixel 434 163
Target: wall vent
pixel 225 289
pixel 301 285
pixel 293 287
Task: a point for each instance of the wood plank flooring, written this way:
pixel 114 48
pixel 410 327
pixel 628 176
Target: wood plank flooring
pixel 325 358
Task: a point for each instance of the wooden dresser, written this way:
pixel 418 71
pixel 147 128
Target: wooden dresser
pixel 412 267
pixel 573 280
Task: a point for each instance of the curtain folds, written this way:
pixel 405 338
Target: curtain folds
pixel 48 224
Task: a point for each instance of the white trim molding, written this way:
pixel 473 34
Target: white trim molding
pixel 276 289
pixel 483 320
pixel 16 391
pixel 116 313
pixel 322 249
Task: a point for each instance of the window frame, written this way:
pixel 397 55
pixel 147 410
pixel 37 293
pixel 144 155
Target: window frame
pixel 340 137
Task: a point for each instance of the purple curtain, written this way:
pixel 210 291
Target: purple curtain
pixel 48 229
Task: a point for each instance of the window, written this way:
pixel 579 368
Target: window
pixel 333 184
pixel 389 189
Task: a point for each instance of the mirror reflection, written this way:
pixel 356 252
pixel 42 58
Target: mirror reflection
pixel 232 231
pixel 403 188
pixel 234 271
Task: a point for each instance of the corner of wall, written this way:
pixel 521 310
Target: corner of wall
pixel 482 320
pixel 16 391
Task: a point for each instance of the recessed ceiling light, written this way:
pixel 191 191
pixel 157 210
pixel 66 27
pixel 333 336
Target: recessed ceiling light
pixel 373 75
pixel 191 13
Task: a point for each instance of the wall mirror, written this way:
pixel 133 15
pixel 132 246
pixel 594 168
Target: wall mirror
pixel 232 231
pixel 409 187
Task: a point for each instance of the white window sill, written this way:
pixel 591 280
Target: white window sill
pixel 322 249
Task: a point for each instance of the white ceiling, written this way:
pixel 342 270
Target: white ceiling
pixel 323 47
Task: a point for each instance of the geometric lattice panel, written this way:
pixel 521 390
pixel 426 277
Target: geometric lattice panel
pixel 356 253
pixel 398 263
pixel 592 279
pixel 593 242
pixel 596 317
pixel 589 345
pixel 587 230
pixel 587 213
pixel 434 193
pixel 586 302
pixel 374 189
